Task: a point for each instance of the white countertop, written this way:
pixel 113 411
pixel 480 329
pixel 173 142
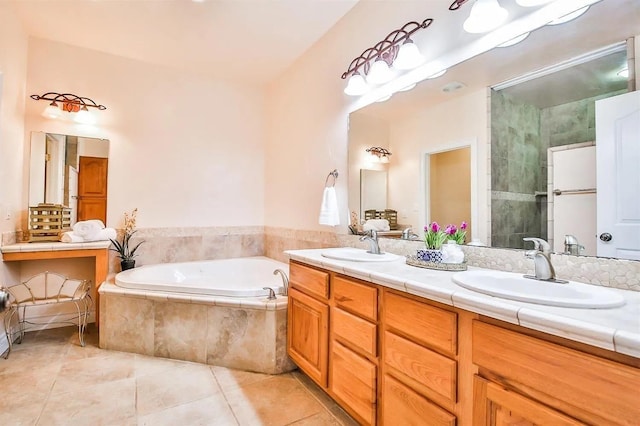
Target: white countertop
pixel 53 246
pixel 615 329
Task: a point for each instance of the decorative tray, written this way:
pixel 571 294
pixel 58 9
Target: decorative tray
pixel 414 261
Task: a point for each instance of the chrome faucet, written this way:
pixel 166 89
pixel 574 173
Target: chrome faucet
pixel 543 269
pixel 407 234
pixel 285 280
pixel 372 238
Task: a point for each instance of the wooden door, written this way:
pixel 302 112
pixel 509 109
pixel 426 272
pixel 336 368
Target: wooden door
pixel 495 406
pixel 92 188
pixel 308 335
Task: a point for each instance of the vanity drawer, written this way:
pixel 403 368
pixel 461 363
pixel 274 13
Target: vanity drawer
pixel 353 381
pixel 426 324
pixel 309 280
pixel 402 405
pixel 355 331
pixel 589 388
pixel 360 299
pixel 433 372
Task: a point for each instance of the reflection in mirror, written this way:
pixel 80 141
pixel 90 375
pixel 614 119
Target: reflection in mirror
pixel 543 162
pixel 449 187
pixel 373 190
pixel 428 118
pixel 69 171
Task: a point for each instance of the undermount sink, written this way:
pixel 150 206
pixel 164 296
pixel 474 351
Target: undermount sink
pixel 514 286
pixel 358 255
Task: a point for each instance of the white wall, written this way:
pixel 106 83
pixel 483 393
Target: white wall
pixel 186 150
pixel 439 128
pixel 13 71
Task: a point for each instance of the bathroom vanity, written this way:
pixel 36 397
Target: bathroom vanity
pixel 446 356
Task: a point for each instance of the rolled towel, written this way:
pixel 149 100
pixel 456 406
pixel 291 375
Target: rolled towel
pixel 104 235
pixel 71 237
pixel 88 229
pixel 376 225
pixel 329 214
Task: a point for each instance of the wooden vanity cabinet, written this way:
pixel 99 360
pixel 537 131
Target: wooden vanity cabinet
pixel 353 356
pixel 531 381
pixel 391 358
pixel 308 321
pixel 420 362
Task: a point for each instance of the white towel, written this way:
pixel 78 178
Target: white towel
pixel 102 235
pixel 88 229
pixel 329 214
pixel 376 225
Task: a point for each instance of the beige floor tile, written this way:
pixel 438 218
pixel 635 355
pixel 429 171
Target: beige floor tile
pixel 181 384
pixel 214 411
pixel 79 373
pixel 321 419
pixel 230 379
pixel 51 380
pixel 111 403
pixel 279 400
pixel 149 365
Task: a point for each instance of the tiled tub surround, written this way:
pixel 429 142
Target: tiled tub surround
pixel 615 329
pixel 242 333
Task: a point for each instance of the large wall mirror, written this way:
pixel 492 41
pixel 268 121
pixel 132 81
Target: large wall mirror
pixel 69 171
pixel 523 130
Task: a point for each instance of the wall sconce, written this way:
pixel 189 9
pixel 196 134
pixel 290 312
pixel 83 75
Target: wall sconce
pixel 67 102
pixel 380 155
pixel 397 50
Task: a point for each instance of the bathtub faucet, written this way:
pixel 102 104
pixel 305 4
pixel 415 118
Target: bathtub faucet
pixel 285 280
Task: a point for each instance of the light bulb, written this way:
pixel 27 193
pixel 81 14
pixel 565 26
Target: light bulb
pixel 531 3
pixel 409 87
pixel 485 16
pixel 356 85
pixel 379 73
pixel 384 159
pixel 438 74
pixel 409 56
pixel 624 73
pixel 52 111
pixel 569 16
pixel 84 117
pixel 514 40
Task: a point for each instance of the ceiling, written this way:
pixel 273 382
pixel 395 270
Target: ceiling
pixel 190 35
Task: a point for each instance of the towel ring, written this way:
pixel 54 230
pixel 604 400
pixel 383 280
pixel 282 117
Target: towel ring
pixel 333 174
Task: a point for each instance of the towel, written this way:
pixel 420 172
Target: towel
pixel 376 225
pixel 102 235
pixel 88 229
pixel 329 214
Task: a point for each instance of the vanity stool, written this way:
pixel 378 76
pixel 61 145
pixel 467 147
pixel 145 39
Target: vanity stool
pixel 44 289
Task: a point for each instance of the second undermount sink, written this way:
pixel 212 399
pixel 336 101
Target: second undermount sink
pixel 358 255
pixel 514 286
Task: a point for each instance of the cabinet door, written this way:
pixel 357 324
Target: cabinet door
pixel 308 335
pixel 496 406
pixel 353 383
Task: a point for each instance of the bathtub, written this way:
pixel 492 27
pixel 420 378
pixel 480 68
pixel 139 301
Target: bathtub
pixel 242 277
pixel 214 312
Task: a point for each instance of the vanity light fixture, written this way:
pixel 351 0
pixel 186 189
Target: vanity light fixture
pixel 67 102
pixel 514 40
pixel 380 155
pixel 378 64
pixel 569 16
pixel 485 16
pixel 532 3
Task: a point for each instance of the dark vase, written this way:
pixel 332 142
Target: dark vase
pixel 127 264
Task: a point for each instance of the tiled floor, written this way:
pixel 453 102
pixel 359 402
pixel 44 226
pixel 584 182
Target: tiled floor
pixel 51 380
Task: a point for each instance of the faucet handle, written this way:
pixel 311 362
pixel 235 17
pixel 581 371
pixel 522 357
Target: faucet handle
pixel 539 244
pixel 272 294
